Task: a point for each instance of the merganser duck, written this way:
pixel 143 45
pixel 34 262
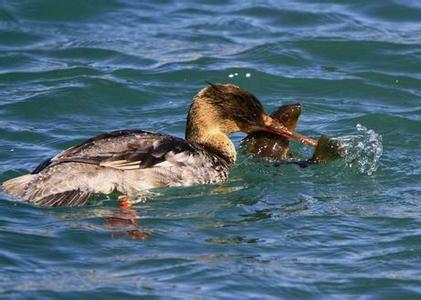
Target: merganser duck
pixel 135 161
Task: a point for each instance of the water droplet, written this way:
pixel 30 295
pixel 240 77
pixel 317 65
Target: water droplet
pixel 362 150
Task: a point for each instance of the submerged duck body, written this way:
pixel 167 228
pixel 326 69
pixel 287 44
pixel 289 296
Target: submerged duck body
pixel 134 161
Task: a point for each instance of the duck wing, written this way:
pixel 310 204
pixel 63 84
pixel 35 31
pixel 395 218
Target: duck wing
pixel 69 178
pixel 122 150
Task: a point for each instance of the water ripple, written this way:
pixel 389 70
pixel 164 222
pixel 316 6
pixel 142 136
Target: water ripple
pixel 76 69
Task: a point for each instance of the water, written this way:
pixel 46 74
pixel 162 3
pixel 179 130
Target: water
pixel 363 150
pixel 72 69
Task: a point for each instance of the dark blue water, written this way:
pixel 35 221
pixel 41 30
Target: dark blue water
pixel 73 69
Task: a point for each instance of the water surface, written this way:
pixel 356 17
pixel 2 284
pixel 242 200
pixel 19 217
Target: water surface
pixel 73 69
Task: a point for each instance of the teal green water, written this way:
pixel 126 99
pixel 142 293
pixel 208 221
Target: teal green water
pixel 72 69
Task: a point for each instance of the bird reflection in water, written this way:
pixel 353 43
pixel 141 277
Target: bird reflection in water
pixel 125 219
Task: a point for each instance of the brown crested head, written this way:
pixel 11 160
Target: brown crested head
pixel 227 107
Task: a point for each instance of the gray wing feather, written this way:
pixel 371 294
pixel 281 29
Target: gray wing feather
pixel 67 198
pixel 123 150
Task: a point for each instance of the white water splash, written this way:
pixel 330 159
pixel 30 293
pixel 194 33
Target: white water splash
pixel 362 150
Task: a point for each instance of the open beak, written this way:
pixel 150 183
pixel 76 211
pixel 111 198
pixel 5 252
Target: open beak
pixel 273 126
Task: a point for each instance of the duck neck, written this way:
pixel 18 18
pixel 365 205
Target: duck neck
pixel 203 129
pixel 218 143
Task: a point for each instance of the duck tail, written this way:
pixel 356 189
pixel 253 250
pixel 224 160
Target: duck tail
pixel 18 186
pixel 28 188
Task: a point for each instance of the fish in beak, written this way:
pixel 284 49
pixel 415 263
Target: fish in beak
pixel 274 126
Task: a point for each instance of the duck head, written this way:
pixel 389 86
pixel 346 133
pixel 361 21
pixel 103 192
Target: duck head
pixel 221 109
